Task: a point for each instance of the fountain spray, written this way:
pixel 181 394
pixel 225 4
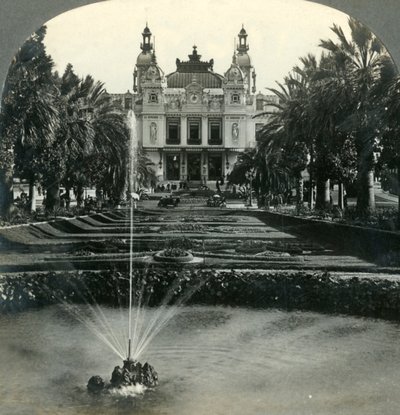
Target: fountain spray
pixel 132 372
pixel 132 126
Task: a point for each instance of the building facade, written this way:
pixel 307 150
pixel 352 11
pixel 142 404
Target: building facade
pixel 193 122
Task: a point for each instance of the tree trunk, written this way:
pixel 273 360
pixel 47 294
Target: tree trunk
pixel 341 196
pixel 299 190
pixel 365 193
pixel 6 191
pixel 32 195
pixel 310 171
pixel 398 202
pixel 52 196
pixel 67 197
pixel 79 195
pixel 323 194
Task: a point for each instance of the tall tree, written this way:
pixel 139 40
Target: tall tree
pixel 288 131
pixel 28 114
pixel 110 141
pixel 73 138
pixel 145 174
pixel 390 143
pixel 361 59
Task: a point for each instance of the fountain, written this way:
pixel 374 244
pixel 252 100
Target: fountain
pixel 132 373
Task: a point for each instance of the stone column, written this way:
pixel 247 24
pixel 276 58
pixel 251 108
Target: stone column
pixel 225 164
pixel 161 166
pixel 183 166
pixel 204 167
pixel 183 130
pixel 204 131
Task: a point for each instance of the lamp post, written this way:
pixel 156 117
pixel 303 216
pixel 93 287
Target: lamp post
pixel 250 176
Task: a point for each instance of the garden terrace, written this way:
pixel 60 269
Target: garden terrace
pixel 221 238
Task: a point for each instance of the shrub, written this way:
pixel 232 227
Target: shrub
pixel 182 243
pixel 251 247
pixel 390 259
pixel 174 252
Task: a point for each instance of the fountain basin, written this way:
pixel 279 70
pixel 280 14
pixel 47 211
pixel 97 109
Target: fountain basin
pixel 211 360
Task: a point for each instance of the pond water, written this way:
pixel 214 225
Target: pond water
pixel 210 360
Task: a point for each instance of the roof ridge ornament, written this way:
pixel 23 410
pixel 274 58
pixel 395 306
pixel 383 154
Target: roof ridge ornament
pixel 194 57
pixel 194 64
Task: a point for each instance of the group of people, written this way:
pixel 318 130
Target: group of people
pixel 161 187
pixel 220 182
pixel 22 200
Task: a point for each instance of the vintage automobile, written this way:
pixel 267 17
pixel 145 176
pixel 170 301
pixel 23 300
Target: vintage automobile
pixel 168 201
pixel 216 201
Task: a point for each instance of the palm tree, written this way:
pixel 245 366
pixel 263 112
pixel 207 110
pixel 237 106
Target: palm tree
pixel 145 174
pixel 288 131
pixel 91 141
pixel 270 175
pixel 110 141
pixel 390 143
pixel 359 68
pixel 73 137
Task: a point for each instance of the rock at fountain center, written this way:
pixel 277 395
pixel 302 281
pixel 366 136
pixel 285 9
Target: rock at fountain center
pixel 132 373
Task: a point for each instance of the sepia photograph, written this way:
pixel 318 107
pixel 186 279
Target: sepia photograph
pixel 199 207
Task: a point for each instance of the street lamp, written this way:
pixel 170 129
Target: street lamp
pixel 250 176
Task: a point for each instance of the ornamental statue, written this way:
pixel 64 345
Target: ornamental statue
pixel 235 131
pixel 153 132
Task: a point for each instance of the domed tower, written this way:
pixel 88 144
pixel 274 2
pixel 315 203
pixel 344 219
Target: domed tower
pixel 234 87
pixel 234 84
pixel 244 62
pixel 144 59
pixel 152 83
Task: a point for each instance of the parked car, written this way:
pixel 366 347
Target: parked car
pixel 216 201
pixel 167 201
pixel 144 194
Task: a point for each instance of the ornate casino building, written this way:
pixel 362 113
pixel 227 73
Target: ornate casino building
pixel 194 122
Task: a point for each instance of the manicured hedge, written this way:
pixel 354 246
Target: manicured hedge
pixel 317 291
pixel 370 243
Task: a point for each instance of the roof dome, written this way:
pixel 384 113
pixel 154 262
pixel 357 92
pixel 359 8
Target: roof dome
pixel 234 74
pixel 243 59
pixel 144 58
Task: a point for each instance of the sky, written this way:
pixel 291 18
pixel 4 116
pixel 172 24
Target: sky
pixel 103 39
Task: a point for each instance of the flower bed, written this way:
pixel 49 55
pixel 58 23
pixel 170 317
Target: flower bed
pixel 173 255
pixel 184 227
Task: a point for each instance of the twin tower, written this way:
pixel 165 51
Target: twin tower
pixel 204 70
pixel 194 122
